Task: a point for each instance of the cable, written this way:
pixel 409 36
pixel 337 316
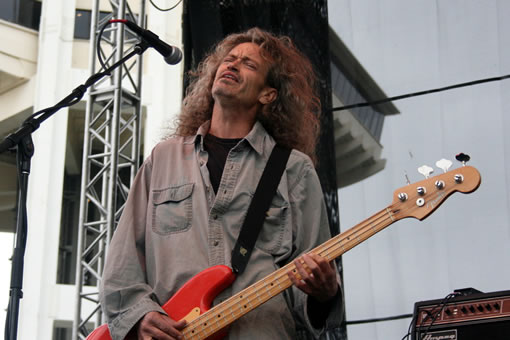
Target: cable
pixel 36 118
pixel 98 44
pixel 441 305
pixel 388 318
pixel 409 328
pixel 166 9
pixel 420 93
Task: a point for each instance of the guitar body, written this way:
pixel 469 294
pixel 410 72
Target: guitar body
pixel 191 300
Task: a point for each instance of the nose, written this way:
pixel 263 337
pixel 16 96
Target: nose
pixel 233 65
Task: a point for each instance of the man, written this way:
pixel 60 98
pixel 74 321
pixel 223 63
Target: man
pixel 188 202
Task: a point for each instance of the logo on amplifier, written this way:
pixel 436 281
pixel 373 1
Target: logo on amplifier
pixel 440 335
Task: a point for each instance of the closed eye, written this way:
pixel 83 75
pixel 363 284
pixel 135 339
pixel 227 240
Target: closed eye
pixel 251 65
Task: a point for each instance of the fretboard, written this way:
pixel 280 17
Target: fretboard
pixel 255 295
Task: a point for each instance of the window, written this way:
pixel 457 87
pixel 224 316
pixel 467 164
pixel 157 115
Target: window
pixel 22 12
pixel 83 21
pixel 82 24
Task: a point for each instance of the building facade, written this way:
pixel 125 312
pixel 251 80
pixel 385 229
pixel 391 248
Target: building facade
pixel 44 54
pixel 417 46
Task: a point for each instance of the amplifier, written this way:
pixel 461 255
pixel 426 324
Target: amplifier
pixel 475 316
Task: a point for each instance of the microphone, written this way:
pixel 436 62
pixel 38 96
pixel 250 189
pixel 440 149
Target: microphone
pixel 172 54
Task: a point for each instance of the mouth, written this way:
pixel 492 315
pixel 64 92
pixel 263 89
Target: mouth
pixel 231 76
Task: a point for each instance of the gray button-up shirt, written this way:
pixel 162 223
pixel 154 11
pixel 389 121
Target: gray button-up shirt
pixel 174 226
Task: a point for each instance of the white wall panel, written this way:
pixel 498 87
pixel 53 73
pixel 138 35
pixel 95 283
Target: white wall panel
pixel 410 46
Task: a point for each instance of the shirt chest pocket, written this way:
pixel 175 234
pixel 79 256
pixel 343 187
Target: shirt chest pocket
pixel 172 209
pixel 275 224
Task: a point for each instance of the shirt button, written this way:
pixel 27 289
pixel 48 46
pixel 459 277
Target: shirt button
pixel 216 243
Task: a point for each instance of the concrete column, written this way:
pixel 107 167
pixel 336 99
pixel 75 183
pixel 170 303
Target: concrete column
pixel 53 83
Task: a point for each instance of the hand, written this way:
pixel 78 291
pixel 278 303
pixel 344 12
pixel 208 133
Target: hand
pixel 318 280
pixel 158 326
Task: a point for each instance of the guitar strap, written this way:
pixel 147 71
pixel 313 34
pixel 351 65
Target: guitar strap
pixel 257 211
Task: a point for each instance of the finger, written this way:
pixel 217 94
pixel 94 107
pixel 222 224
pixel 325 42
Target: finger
pixel 150 332
pixel 299 263
pixel 310 275
pixel 293 278
pixel 180 324
pixel 161 327
pixel 316 275
pixel 322 262
pixel 329 275
pixel 172 327
pixel 159 334
pixel 328 268
pixel 297 282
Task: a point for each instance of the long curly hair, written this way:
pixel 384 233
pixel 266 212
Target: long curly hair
pixel 292 119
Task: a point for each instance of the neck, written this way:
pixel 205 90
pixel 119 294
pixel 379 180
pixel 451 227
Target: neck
pixel 231 123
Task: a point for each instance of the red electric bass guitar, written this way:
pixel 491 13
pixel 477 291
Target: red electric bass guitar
pixel 193 301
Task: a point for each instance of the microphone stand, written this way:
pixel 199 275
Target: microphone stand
pixel 22 140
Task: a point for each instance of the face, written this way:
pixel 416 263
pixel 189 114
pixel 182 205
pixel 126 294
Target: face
pixel 241 77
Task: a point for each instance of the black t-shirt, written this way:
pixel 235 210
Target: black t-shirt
pixel 218 149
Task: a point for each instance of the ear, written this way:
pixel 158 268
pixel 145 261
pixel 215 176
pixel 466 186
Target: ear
pixel 268 95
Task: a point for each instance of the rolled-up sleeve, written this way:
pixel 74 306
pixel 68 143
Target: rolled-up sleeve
pixel 124 293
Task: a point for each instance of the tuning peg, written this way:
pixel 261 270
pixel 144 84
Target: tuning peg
pixel 425 170
pixel 444 164
pixel 462 157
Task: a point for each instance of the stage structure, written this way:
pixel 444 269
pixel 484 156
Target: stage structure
pixel 111 153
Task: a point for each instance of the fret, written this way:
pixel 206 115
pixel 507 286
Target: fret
pixel 268 290
pixel 232 312
pixel 195 332
pixel 389 213
pixel 222 318
pixel 281 289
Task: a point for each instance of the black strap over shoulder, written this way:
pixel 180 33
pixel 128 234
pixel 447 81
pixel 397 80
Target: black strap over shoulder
pixel 266 189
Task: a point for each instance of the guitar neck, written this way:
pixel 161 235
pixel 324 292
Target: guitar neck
pixel 347 240
pixel 250 298
pixel 418 200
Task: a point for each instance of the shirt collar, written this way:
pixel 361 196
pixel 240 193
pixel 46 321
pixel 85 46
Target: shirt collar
pixel 199 136
pixel 255 138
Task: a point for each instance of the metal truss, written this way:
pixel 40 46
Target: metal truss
pixel 111 152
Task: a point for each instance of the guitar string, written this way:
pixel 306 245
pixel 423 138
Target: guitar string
pixel 334 244
pixel 408 208
pixel 325 250
pixel 209 326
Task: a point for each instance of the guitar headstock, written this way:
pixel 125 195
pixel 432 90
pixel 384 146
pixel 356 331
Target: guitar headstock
pixel 420 199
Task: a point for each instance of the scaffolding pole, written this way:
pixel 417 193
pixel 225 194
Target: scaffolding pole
pixel 111 153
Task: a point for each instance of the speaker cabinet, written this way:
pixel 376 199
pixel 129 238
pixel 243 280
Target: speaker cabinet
pixel 477 316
